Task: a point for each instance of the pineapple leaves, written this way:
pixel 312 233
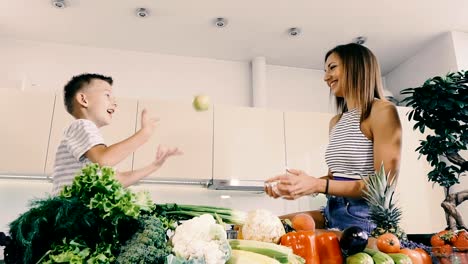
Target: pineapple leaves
pixel 380 195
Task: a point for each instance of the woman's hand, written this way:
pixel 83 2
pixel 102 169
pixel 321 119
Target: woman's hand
pixel 292 185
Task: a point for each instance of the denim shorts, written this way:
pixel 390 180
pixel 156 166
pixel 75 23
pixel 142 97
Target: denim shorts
pixel 342 213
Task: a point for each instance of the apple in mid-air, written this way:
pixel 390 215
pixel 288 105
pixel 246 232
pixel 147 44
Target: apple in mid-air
pixel 201 102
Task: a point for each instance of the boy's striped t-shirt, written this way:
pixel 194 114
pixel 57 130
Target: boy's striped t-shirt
pixel 78 138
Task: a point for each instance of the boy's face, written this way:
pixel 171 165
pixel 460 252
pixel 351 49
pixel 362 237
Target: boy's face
pixel 99 102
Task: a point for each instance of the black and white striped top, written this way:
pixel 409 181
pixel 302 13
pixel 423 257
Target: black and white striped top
pixel 79 137
pixel 349 153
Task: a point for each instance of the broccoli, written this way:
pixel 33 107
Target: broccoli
pixel 148 245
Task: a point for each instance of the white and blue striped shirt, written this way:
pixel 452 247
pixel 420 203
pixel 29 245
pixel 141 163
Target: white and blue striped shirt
pixel 350 153
pixel 79 137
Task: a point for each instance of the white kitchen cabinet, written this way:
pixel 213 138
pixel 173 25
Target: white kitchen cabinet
pixel 26 117
pixel 248 143
pixel 306 141
pixel 122 126
pixel 179 126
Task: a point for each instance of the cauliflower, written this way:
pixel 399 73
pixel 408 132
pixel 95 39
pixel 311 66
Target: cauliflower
pixel 200 238
pixel 262 225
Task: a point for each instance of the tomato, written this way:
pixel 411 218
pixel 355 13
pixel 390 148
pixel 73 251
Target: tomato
pixel 437 241
pixel 445 250
pixel 462 241
pixel 426 258
pixel 328 248
pixel 413 254
pixel 388 243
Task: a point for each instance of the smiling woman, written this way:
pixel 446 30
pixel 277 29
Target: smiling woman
pixel 365 133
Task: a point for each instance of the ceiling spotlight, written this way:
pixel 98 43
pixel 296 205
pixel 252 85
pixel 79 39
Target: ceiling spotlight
pixel 220 22
pixel 360 40
pixel 142 12
pixel 294 32
pixel 59 3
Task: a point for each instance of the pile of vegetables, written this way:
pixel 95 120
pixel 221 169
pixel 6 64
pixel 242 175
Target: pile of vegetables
pixel 96 220
pixel 89 221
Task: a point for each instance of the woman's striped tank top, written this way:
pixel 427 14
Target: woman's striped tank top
pixel 350 153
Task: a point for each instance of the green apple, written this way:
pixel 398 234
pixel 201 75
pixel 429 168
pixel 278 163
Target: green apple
pixel 201 102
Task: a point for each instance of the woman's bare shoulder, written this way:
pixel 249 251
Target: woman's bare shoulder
pixel 384 112
pixel 383 107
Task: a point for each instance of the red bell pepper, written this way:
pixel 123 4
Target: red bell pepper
pixel 329 249
pixel 302 244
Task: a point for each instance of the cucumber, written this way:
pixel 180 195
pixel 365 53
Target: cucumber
pixel 359 258
pixel 400 258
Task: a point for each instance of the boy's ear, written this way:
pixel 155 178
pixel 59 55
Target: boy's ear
pixel 81 99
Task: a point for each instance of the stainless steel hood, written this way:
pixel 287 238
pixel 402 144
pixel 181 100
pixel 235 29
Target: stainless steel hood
pixel 237 185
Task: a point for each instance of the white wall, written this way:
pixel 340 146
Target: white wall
pixel 460 41
pixel 297 89
pixel 437 58
pixel 48 66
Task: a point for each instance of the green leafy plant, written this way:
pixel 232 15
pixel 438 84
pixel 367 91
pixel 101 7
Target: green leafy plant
pixel 441 105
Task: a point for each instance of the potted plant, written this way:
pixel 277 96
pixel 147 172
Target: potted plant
pixel 441 105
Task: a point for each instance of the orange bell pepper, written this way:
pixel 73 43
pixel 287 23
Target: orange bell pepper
pixel 329 249
pixel 302 244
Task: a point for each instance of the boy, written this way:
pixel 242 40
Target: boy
pixel 88 98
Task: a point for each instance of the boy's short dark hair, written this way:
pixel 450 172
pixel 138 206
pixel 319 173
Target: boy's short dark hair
pixel 77 83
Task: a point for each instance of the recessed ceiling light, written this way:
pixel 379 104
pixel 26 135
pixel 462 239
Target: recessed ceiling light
pixel 59 3
pixel 142 12
pixel 220 22
pixel 294 31
pixel 360 40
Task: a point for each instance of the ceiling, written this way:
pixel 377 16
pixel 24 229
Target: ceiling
pixel 395 29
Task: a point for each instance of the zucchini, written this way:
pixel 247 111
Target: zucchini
pixel 400 258
pixel 359 258
pixel 242 257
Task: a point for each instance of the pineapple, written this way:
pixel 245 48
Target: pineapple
pixel 382 204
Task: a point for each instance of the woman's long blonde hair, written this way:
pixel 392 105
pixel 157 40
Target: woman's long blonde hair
pixel 361 76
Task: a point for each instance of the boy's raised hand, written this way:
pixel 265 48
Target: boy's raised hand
pixel 148 123
pixel 163 153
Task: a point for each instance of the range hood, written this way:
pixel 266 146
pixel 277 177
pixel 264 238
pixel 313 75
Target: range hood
pixel 237 185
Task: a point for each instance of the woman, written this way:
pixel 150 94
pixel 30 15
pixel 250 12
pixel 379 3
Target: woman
pixel 365 132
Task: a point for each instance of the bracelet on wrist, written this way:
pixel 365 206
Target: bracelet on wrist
pixel 326 186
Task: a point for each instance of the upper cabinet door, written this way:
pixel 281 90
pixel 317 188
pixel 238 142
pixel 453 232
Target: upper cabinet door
pixel 122 126
pixel 306 141
pixel 179 126
pixel 248 143
pixel 24 135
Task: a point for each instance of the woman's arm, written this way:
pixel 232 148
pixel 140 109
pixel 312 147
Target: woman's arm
pixel 385 127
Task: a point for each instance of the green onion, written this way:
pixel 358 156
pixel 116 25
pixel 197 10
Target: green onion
pixel 186 211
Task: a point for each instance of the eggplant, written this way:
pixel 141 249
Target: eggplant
pixel 353 240
pixel 287 224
